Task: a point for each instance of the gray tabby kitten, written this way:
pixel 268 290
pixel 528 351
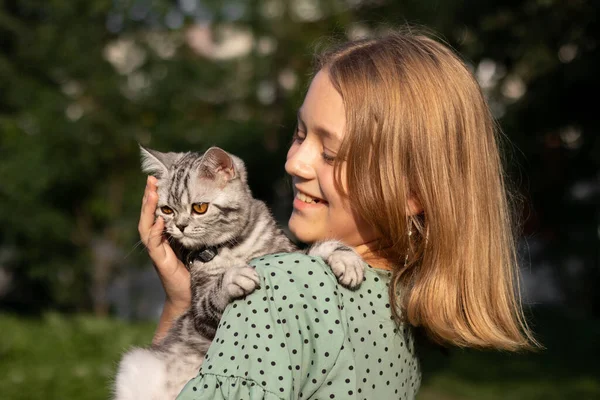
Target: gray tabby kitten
pixel 216 227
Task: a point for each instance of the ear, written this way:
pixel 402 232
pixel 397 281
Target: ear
pixel 414 206
pixel 219 164
pixel 156 163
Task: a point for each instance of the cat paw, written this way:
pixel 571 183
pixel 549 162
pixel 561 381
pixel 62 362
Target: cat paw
pixel 240 281
pixel 348 267
pixel 345 263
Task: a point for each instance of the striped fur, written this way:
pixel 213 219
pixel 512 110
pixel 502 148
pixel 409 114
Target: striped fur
pixel 243 228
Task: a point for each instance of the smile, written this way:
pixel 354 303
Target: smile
pixel 304 198
pixel 307 199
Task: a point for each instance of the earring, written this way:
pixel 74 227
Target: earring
pixel 409 233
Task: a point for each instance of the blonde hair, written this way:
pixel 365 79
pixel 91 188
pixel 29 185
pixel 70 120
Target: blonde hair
pixel 417 125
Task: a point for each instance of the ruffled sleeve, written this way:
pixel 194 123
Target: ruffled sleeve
pixel 216 387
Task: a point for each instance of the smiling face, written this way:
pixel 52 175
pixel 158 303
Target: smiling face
pixel 320 212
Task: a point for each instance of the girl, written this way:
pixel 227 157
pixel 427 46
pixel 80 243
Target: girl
pixel 394 154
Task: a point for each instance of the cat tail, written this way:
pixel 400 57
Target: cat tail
pixel 142 374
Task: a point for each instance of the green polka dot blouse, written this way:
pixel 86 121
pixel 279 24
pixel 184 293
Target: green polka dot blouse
pixel 301 335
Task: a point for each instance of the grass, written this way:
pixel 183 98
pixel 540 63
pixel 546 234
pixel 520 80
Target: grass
pixel 60 357
pixel 74 357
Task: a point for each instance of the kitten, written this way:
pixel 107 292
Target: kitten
pixel 216 227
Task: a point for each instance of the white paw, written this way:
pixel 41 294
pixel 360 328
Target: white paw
pixel 240 281
pixel 345 263
pixel 348 267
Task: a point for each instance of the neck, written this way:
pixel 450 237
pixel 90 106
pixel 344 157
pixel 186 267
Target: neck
pixel 203 254
pixel 367 252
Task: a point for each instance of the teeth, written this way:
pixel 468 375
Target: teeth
pixel 306 199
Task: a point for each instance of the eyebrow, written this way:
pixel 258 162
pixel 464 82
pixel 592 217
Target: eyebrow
pixel 319 130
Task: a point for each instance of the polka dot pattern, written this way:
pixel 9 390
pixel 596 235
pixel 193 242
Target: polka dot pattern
pixel 302 335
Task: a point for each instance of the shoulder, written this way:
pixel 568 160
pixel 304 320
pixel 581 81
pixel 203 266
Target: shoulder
pixel 289 282
pixel 287 260
pixel 301 288
pixel 271 336
pixel 295 269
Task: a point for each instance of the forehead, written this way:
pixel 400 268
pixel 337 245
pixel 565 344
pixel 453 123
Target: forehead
pixel 323 106
pixel 188 187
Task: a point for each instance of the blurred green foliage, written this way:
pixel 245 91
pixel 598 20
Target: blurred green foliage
pixel 84 81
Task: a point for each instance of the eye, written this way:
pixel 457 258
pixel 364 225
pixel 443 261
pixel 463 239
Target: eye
pixel 328 159
pixel 298 135
pixel 200 208
pixel 166 210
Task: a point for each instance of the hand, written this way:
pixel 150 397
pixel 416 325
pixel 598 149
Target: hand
pixel 174 276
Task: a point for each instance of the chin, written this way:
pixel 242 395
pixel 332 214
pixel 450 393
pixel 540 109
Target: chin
pixel 302 232
pixel 189 243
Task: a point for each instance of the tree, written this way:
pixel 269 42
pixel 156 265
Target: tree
pixel 84 81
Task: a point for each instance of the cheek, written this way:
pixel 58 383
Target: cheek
pixel 336 200
pixel 168 221
pixel 206 220
pixel 342 221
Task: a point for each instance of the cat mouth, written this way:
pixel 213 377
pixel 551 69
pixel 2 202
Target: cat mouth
pixel 183 236
pixel 190 242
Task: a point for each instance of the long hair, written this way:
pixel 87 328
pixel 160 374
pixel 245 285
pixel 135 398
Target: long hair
pixel 418 126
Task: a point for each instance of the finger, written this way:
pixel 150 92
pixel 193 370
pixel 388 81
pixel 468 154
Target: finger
pixel 152 182
pixel 145 191
pixel 155 238
pixel 151 186
pixel 147 214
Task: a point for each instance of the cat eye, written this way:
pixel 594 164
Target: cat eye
pixel 166 210
pixel 200 208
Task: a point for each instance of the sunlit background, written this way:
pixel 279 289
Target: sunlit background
pixel 82 82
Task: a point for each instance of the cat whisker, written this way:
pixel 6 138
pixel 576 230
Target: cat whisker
pixel 137 245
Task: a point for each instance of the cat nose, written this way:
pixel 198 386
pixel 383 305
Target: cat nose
pixel 181 227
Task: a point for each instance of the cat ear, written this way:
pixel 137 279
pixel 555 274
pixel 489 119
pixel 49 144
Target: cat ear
pixel 219 164
pixel 156 163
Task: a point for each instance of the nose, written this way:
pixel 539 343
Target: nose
pixel 181 227
pixel 300 160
